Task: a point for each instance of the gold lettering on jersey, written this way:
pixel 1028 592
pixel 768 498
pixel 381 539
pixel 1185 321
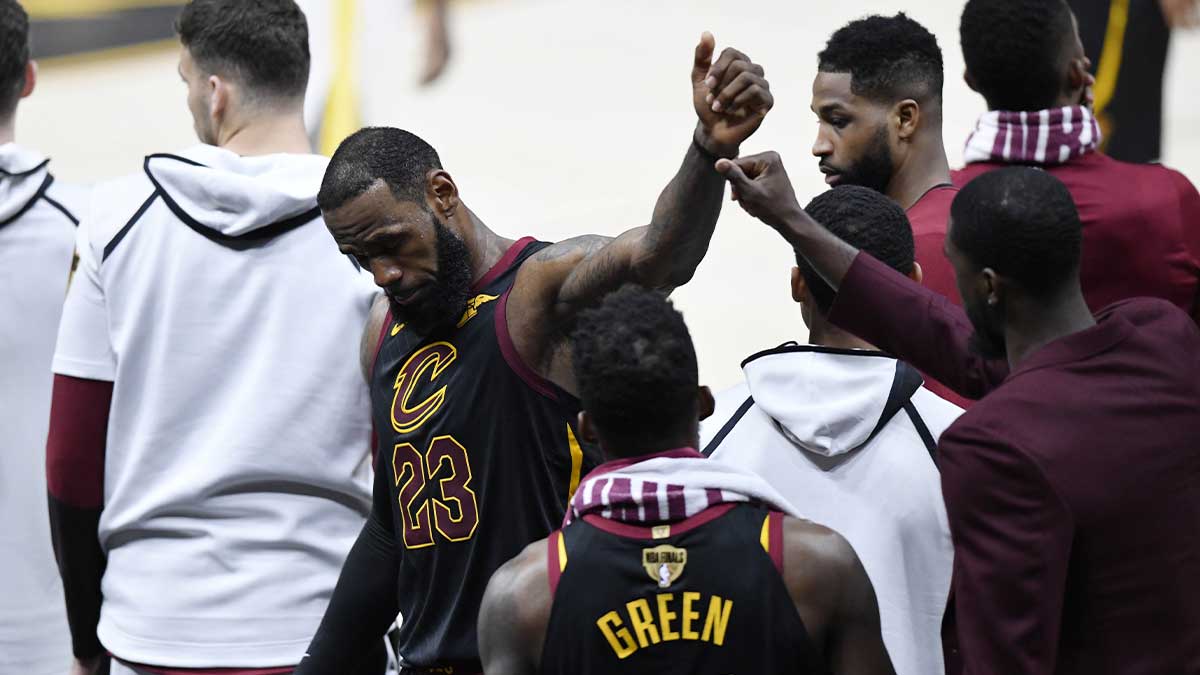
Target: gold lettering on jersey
pixel 664 563
pixel 473 306
pixel 667 617
pixel 431 360
pixel 396 328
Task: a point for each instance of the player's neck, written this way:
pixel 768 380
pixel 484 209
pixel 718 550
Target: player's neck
pixel 8 130
pixel 1038 322
pixel 925 168
pixel 266 134
pixel 825 334
pixel 486 246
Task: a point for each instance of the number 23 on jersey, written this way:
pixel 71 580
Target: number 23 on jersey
pixel 453 510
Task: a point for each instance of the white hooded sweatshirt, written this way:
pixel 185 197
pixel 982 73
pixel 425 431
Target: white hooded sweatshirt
pixel 37 235
pixel 839 434
pixel 211 294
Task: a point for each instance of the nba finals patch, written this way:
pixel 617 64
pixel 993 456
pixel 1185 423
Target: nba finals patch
pixel 473 306
pixel 664 563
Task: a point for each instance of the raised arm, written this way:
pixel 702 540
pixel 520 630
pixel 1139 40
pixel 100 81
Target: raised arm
pixel 731 99
pixel 874 302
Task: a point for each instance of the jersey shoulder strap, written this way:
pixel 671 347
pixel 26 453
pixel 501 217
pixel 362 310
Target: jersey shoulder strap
pixel 556 558
pixel 771 538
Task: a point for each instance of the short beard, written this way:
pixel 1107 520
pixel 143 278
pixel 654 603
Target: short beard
pixel 446 300
pixel 874 170
pixel 988 339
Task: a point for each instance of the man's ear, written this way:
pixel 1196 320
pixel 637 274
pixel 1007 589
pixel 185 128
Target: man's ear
pixel 441 192
pixel 908 117
pixel 1079 77
pixel 916 273
pixel 30 78
pixel 218 97
pixel 705 403
pixel 970 80
pixel 990 286
pixel 799 285
pixel 587 430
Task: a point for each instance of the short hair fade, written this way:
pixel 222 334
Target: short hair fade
pixel 401 159
pixel 1014 50
pixel 636 367
pixel 868 221
pixel 889 58
pixel 14 54
pixel 1022 223
pixel 263 43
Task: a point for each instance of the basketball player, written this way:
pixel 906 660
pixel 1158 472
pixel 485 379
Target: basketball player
pixel 37 232
pixel 878 101
pixel 471 384
pixel 723 583
pixel 210 433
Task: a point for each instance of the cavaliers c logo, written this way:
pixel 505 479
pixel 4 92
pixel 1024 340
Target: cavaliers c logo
pixel 406 415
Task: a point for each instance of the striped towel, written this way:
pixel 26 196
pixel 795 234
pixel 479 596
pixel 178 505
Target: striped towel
pixel 668 487
pixel 1040 137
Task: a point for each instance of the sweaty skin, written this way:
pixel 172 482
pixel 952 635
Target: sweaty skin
pixel 823 575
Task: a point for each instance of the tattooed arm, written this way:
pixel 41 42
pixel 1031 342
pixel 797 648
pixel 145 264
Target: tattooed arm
pixel 731 99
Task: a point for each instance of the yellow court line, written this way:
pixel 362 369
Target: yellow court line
pixel 84 9
pixel 109 54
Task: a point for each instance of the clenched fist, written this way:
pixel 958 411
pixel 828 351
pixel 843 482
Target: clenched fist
pixel 731 97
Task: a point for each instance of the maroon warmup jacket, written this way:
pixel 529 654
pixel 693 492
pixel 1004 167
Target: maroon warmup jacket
pixel 1072 488
pixel 1141 229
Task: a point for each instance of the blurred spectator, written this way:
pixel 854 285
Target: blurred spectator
pixel 1128 41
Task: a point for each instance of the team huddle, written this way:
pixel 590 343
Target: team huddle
pixel 312 415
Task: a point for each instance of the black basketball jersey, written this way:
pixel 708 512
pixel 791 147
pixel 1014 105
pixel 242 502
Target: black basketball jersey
pixel 483 457
pixel 704 595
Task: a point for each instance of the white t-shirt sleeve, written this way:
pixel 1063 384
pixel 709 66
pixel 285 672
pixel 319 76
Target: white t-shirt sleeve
pixel 84 347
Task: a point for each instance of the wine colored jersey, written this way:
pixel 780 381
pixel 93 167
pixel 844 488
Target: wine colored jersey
pixel 482 460
pixel 705 595
pixel 928 217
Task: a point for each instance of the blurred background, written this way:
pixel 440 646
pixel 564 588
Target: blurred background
pixel 556 117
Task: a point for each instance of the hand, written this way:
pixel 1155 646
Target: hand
pixel 437 46
pixel 761 186
pixel 731 97
pixel 96 665
pixel 1181 13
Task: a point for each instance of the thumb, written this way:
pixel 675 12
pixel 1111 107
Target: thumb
pixel 704 54
pixel 733 173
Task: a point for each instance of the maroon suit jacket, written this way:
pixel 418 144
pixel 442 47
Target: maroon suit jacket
pixel 928 217
pixel 1141 229
pixel 1072 488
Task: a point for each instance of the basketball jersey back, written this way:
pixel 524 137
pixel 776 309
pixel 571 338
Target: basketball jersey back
pixel 701 596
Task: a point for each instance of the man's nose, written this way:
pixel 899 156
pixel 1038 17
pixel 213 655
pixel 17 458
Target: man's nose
pixel 386 272
pixel 822 147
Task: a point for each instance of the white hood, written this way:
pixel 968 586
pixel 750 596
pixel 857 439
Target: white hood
pixel 829 401
pixel 24 176
pixel 217 190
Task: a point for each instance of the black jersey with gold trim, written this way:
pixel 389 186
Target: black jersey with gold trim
pixel 704 595
pixel 483 457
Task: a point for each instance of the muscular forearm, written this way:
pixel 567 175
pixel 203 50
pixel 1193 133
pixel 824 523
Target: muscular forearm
pixel 675 241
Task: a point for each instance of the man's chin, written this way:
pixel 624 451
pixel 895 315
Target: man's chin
pixel 423 320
